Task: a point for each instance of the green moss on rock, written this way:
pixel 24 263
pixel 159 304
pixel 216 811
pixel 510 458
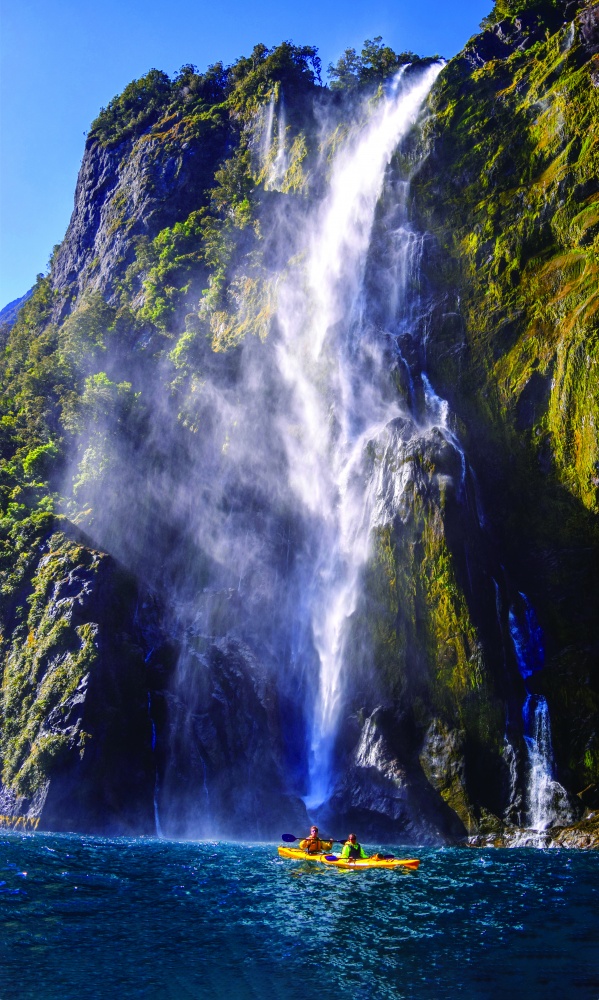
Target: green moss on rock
pixel 510 191
pixel 49 660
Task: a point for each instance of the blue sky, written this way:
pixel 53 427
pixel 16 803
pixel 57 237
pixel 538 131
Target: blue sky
pixel 62 60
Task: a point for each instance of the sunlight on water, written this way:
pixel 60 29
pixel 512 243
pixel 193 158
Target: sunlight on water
pixel 93 918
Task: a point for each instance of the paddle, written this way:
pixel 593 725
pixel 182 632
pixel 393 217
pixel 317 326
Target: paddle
pixel 289 838
pixel 375 857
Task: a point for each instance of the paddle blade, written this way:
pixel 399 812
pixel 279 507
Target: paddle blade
pixel 288 837
pixel 331 857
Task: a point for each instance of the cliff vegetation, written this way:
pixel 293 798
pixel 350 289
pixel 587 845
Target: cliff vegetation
pixel 155 328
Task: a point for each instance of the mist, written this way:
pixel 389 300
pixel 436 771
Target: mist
pixel 250 507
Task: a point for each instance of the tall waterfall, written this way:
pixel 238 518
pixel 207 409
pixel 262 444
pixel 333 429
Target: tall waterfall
pixel 341 398
pixel 329 432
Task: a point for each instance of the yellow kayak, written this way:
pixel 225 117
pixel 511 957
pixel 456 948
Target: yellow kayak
pixel 333 862
pixel 298 855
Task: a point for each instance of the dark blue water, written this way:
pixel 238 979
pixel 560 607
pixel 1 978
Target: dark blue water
pixel 88 917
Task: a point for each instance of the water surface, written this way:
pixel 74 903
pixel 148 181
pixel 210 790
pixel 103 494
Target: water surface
pixel 90 917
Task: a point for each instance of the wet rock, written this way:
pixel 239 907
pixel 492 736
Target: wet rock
pixel 589 28
pixel 443 762
pixel 502 39
pixel 493 44
pixel 125 192
pixel 20 812
pixel 589 796
pixel 533 400
pixel 412 462
pixel 222 747
pixel 385 794
pixel 520 33
pixel 72 676
pixel 583 835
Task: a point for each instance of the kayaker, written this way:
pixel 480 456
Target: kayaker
pixel 313 844
pixel 352 849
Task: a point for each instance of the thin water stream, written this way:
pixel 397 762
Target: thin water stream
pixel 547 801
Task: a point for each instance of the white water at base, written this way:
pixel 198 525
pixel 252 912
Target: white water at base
pixel 340 396
pixel 547 800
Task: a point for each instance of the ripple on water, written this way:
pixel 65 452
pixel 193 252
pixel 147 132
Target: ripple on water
pixel 144 918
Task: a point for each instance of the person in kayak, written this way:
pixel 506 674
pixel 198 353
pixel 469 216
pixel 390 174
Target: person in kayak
pixel 313 844
pixel 352 849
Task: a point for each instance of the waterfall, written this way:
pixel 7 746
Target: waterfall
pixel 267 122
pixel 280 162
pixel 157 823
pixel 274 162
pixel 341 398
pixel 546 800
pixel 527 638
pixel 311 451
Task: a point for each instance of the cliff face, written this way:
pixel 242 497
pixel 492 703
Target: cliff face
pixel 510 191
pixel 73 670
pixel 129 191
pixel 161 660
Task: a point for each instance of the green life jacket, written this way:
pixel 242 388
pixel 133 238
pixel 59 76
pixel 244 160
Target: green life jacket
pixel 352 851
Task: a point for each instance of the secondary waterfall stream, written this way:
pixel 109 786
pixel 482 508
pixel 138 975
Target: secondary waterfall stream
pixel 547 802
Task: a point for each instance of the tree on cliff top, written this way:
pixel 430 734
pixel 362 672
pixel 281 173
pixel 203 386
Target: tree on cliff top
pixel 503 9
pixel 132 111
pixel 146 101
pixel 376 62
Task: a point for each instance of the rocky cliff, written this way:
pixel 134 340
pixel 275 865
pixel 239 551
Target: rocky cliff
pixel 158 672
pixel 510 192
